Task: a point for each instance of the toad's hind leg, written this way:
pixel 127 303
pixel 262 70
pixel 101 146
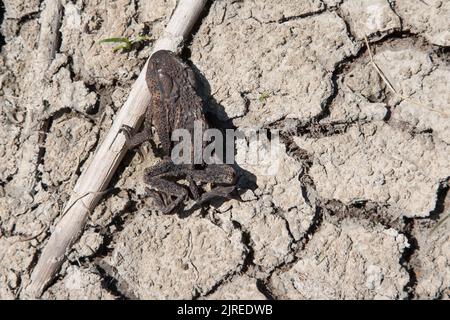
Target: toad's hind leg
pixel 170 188
pixel 222 175
pixel 157 176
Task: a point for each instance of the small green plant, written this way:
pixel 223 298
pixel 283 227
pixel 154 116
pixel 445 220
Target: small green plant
pixel 263 96
pixel 126 44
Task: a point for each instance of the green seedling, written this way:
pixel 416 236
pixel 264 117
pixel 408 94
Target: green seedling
pixel 126 44
pixel 263 97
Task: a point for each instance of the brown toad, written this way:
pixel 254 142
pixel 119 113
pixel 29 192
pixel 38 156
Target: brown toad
pixel 175 104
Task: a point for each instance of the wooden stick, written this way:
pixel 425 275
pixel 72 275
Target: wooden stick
pixel 89 187
pixel 50 20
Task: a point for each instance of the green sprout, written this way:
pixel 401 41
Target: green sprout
pixel 126 44
pixel 263 96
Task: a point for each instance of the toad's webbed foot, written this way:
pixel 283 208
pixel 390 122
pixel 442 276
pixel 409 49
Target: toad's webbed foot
pixel 217 192
pixel 169 188
pixel 156 177
pixel 156 196
pixel 222 175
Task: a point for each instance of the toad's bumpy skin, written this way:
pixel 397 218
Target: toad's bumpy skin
pixel 176 105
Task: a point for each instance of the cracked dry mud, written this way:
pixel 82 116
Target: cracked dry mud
pixel 364 172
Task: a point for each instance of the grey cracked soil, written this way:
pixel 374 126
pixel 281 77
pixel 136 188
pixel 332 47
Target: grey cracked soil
pixel 363 179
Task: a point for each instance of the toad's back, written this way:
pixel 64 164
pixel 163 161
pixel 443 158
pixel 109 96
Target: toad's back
pixel 175 103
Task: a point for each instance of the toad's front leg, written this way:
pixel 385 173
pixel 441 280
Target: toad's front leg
pixel 135 139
